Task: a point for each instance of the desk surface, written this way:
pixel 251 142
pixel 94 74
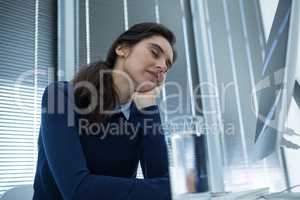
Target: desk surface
pixel 245 195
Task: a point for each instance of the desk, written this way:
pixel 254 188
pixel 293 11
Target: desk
pixel 258 194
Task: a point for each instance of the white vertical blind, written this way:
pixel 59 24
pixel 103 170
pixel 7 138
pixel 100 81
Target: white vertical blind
pixel 27 61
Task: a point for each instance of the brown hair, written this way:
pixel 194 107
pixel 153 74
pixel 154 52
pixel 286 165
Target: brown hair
pixel 90 72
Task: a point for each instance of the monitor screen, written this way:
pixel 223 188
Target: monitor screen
pixel 270 88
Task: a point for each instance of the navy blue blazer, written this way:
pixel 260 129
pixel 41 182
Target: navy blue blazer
pixel 82 162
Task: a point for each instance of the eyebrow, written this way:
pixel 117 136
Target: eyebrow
pixel 156 46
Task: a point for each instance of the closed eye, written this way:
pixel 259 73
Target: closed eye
pixel 156 50
pixel 154 53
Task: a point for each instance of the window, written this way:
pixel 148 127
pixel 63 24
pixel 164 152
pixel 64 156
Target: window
pixel 27 61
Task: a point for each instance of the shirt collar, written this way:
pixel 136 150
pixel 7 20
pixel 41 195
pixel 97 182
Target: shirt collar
pixel 125 109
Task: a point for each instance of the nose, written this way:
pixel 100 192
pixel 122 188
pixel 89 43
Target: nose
pixel 160 74
pixel 162 66
pixel 161 70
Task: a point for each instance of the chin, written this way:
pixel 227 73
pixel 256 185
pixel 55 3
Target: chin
pixel 145 86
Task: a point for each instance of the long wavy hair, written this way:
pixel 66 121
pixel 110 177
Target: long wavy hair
pixel 90 72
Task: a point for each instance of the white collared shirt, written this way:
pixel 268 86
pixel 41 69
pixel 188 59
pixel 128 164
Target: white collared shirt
pixel 125 108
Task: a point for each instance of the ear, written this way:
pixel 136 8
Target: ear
pixel 122 50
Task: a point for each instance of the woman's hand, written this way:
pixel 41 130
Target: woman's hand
pixel 148 98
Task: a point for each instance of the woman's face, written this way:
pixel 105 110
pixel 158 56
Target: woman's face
pixel 147 62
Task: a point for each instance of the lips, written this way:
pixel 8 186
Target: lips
pixel 154 76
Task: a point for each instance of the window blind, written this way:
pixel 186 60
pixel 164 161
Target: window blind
pixel 27 61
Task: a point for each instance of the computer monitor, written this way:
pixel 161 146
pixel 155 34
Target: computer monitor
pixel 297 93
pixel 275 88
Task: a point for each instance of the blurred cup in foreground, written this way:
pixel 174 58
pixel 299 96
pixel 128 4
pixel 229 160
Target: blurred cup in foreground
pixel 188 158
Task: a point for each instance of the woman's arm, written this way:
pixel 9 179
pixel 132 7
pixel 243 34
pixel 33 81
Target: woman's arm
pixel 68 165
pixel 154 157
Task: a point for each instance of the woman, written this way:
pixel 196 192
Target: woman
pixel 81 155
